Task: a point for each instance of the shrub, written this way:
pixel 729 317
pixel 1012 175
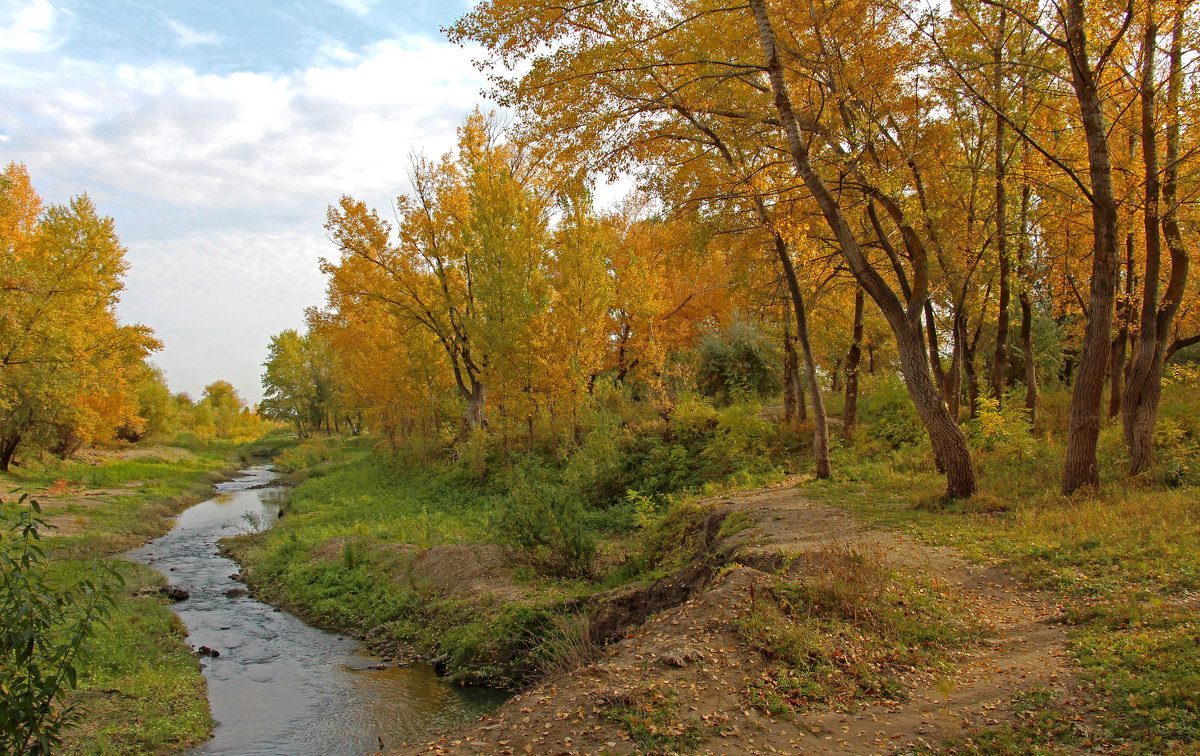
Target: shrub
pixel 889 415
pixel 43 636
pixel 738 362
pixel 546 524
pixel 1002 429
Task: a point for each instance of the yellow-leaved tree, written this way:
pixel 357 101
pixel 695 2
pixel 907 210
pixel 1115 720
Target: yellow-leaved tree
pixel 68 368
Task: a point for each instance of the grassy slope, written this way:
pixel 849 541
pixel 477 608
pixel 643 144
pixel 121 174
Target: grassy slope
pixel 142 692
pixel 325 558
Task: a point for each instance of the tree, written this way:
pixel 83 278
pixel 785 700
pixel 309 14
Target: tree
pixel 67 366
pixel 467 263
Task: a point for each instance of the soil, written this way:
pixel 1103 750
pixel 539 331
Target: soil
pixel 690 651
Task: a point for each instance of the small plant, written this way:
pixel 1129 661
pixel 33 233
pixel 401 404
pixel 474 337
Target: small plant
pixel 43 638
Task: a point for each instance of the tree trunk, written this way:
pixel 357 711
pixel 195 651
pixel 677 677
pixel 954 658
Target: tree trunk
pixel 853 358
pixel 1023 252
pixel 792 396
pixel 791 378
pixel 935 354
pixel 952 388
pixel 1116 367
pixel 1000 356
pixel 475 418
pixel 820 423
pixel 947 438
pixel 1027 353
pixel 972 382
pixel 1143 389
pixel 1086 395
pixel 8 448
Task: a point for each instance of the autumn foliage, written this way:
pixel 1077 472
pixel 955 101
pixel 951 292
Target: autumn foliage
pixel 69 370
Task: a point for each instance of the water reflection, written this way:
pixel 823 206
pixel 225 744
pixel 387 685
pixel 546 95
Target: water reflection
pixel 280 686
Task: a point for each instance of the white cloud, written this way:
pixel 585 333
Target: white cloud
pixel 215 298
pixel 359 8
pixel 246 140
pixel 35 26
pixel 189 37
pixel 219 183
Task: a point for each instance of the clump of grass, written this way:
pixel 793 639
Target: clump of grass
pixel 845 630
pixel 564 646
pixel 142 691
pixel 651 717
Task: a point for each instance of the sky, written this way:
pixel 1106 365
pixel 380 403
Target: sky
pixel 216 134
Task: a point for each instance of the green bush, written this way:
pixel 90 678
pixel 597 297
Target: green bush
pixel 43 637
pixel 738 362
pixel 1003 430
pixel 888 413
pixel 544 522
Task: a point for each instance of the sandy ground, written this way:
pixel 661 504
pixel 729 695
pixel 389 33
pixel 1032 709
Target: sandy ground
pixel 693 653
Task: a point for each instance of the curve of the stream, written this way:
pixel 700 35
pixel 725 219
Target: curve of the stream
pixel 280 686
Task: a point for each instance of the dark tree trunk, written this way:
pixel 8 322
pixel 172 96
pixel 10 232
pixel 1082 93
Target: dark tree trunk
pixel 475 417
pixel 952 388
pixel 853 358
pixel 1081 469
pixel 947 439
pixel 820 423
pixel 1027 353
pixel 935 352
pixel 8 448
pixel 1023 253
pixel 972 382
pixel 791 375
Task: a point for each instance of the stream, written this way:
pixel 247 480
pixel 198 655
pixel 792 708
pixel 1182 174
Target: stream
pixel 280 686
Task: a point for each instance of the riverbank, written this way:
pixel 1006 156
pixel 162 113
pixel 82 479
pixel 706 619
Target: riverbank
pixel 142 690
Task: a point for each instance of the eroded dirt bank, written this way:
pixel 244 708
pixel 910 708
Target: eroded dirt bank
pixel 684 673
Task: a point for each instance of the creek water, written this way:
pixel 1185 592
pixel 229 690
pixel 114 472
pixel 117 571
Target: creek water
pixel 280 686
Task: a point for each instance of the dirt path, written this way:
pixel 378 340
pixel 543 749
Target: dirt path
pixel 693 656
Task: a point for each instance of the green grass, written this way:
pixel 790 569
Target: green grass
pixel 142 691
pixel 134 499
pixel 343 554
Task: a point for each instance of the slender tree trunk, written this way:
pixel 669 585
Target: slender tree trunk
pixel 935 352
pixel 972 382
pixel 1143 389
pixel 1087 394
pixel 1027 355
pixel 1116 368
pixel 952 388
pixel 820 422
pixel 792 396
pixel 1023 253
pixel 1000 357
pixel 853 358
pixel 946 437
